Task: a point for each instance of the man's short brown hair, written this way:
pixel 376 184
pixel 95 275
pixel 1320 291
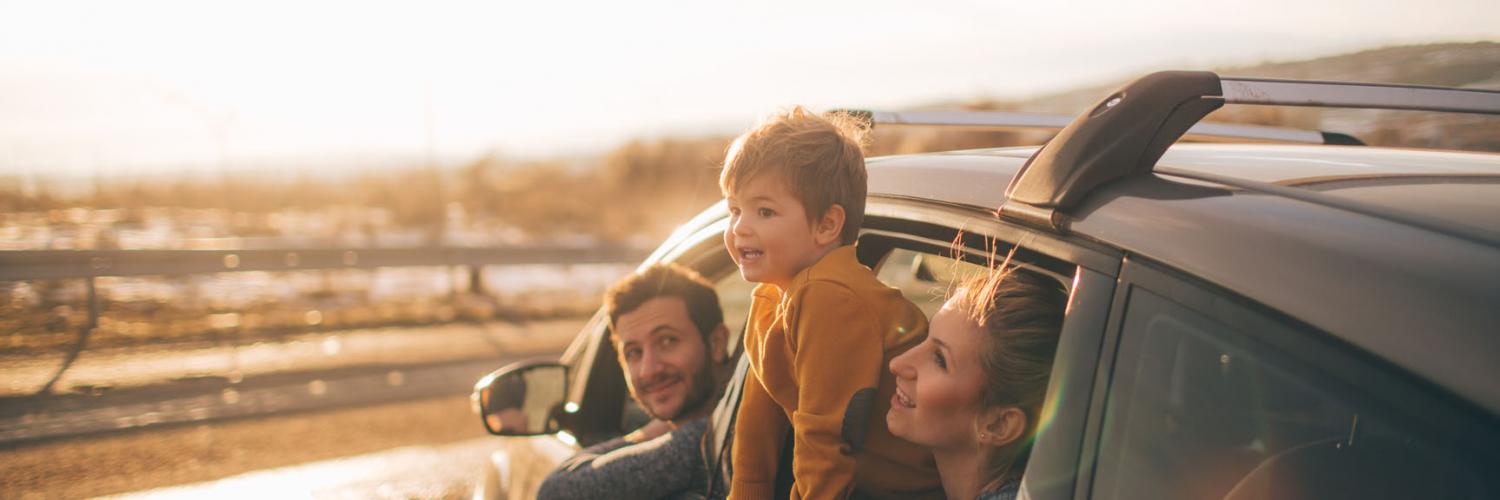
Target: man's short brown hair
pixel 819 158
pixel 666 280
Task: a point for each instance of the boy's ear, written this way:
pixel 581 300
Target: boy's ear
pixel 1000 426
pixel 828 228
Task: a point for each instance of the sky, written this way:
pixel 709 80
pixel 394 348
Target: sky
pixel 91 88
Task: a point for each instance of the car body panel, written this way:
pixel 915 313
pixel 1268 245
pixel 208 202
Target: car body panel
pixel 1406 294
pixel 1472 201
pixel 518 468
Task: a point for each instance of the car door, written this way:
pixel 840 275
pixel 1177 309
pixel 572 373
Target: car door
pixel 1209 396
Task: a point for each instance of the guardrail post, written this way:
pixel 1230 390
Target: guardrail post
pixel 93 305
pixel 476 280
pixel 83 337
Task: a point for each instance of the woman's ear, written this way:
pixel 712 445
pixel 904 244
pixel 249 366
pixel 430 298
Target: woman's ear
pixel 1000 426
pixel 828 228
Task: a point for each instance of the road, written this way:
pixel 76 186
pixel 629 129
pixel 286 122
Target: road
pixel 383 414
pixel 429 448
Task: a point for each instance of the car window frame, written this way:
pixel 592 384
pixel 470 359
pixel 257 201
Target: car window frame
pixel 936 226
pixel 1059 456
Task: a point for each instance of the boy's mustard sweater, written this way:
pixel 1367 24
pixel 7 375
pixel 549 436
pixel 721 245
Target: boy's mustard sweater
pixel 813 347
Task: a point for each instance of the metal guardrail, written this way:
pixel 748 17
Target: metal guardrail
pixel 19 265
pixel 88 265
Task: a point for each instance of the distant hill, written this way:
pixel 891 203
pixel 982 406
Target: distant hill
pixel 1469 65
pixel 654 184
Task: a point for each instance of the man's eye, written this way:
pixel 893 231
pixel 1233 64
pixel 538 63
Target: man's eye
pixel 633 354
pixel 667 341
pixel 765 212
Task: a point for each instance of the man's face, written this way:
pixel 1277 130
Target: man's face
pixel 666 361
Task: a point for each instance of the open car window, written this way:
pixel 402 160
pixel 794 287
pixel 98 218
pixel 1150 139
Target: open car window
pixel 734 297
pixel 927 278
pixel 924 278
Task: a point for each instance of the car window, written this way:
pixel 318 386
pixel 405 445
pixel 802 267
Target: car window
pixel 924 278
pixel 927 278
pixel 734 297
pixel 1199 410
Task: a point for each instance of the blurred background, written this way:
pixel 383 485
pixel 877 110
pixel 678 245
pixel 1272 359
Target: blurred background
pixel 344 192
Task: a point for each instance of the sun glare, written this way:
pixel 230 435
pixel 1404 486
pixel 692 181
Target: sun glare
pixel 164 85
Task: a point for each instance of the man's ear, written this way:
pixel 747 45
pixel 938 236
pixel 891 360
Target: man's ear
pixel 828 228
pixel 1000 426
pixel 718 343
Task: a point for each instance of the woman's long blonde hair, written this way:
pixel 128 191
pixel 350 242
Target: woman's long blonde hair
pixel 1021 313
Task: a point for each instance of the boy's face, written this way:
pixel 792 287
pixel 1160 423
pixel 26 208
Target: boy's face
pixel 769 235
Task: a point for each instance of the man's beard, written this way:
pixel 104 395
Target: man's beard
pixel 699 391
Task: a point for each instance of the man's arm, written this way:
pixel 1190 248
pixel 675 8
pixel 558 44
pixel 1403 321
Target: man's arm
pixel 651 430
pixel 666 465
pixel 838 366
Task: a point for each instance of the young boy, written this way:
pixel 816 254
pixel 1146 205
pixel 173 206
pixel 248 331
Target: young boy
pixel 822 329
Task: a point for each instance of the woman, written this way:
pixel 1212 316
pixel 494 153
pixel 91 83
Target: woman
pixel 972 391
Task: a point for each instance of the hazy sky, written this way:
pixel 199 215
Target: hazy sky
pixel 151 86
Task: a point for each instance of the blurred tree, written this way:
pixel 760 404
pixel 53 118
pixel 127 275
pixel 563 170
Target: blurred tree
pixel 658 184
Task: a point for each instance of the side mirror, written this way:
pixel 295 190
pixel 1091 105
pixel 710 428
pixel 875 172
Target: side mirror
pixel 522 399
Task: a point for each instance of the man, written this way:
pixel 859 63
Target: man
pixel 668 331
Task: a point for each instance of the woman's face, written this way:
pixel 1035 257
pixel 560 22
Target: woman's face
pixel 938 383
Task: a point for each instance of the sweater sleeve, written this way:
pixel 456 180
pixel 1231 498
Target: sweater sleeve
pixel 669 464
pixel 839 359
pixel 759 430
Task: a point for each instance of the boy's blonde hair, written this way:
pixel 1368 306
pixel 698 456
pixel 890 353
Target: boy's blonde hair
pixel 819 157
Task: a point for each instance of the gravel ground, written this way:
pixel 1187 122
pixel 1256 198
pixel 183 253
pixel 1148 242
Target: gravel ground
pixel 140 460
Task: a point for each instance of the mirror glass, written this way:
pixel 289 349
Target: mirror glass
pixel 522 400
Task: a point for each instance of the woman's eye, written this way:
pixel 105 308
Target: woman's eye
pixel 766 212
pixel 937 357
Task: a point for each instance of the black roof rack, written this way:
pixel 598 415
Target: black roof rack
pixel 1013 120
pixel 1127 132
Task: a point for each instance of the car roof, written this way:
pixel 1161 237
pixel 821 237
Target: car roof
pixel 1463 187
pixel 1365 173
pixel 1386 249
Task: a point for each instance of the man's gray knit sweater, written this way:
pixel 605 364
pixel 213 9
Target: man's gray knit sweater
pixel 670 466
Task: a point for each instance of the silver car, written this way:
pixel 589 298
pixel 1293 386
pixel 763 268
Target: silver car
pixel 1247 320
